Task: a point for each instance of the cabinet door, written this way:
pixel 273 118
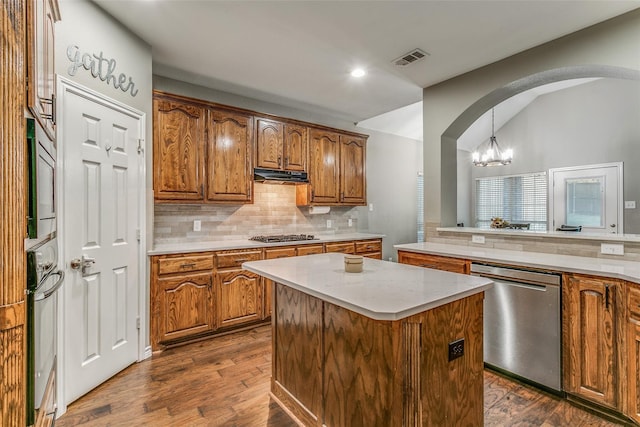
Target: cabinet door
pixel 633 353
pixel 273 253
pixel 186 306
pixel 353 185
pixel 295 148
pixel 230 166
pixel 324 166
pixel 239 297
pixel 42 15
pixel 178 150
pixel 269 144
pixel 593 371
pixel 370 248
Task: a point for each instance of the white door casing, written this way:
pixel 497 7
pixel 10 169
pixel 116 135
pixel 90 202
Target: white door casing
pixel 607 181
pixel 101 164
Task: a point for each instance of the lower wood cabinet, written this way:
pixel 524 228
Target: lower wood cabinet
pixel 633 353
pixel 594 330
pixel 239 298
pixel 453 265
pixel 194 295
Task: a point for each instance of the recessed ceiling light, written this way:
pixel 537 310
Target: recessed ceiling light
pixel 358 72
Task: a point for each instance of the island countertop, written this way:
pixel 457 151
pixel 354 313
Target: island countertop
pixel 383 291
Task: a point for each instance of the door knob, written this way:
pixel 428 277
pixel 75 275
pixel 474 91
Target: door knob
pixel 82 264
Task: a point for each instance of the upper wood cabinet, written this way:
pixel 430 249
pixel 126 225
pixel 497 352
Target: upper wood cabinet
pixel 353 184
pixel 179 150
pixel 337 173
pixel 281 146
pixel 324 166
pixel 41 18
pixel 230 166
pixel 594 333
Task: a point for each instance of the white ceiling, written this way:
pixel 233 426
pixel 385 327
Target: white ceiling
pixel 300 53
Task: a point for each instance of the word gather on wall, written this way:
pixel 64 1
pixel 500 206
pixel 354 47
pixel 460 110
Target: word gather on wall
pixel 101 68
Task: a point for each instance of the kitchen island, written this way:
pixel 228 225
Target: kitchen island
pixel 393 345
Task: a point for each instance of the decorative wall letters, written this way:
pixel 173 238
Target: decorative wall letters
pixel 100 67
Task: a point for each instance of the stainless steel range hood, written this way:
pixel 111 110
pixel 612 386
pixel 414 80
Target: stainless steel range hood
pixel 269 176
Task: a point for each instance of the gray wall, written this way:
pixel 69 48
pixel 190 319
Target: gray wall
pixel 593 123
pixel 612 44
pixel 392 166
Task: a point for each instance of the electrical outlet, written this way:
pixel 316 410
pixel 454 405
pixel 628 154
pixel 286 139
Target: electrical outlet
pixel 629 204
pixel 477 239
pixel 370 207
pixel 329 223
pixel 197 225
pixel 350 222
pixel 456 349
pixel 612 248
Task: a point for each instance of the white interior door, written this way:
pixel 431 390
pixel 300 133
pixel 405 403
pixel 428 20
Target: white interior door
pixel 100 168
pixel 589 196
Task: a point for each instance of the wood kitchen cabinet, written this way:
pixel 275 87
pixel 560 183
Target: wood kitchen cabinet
pixel 41 78
pixel 369 248
pixel 309 250
pixel 593 328
pixel 182 297
pixel 324 167
pixel 336 170
pixel 281 146
pixel 353 184
pixel 178 150
pixel 454 265
pixel 239 292
pixel 341 247
pixel 633 352
pixel 229 163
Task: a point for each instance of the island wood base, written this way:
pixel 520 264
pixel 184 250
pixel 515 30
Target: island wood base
pixel 335 367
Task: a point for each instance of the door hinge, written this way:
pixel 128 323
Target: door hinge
pixel 138 234
pixel 138 323
pixel 140 148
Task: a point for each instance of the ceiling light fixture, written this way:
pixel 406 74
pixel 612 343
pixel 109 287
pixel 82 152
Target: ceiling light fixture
pixel 493 155
pixel 358 72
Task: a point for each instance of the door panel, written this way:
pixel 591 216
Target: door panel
pixel 100 205
pixel 588 196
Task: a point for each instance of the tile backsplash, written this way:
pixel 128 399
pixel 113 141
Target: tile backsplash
pixel 273 211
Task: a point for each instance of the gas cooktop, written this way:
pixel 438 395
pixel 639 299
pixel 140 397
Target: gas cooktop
pixel 283 238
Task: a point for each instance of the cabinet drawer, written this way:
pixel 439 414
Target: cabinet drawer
pixel 280 252
pixel 368 246
pixel 453 265
pixel 236 258
pixel 309 250
pixel 634 301
pixel 185 264
pixel 342 247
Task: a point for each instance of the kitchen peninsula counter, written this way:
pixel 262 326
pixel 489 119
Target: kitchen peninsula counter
pixel 373 348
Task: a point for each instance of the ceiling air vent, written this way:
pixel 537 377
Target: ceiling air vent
pixel 410 57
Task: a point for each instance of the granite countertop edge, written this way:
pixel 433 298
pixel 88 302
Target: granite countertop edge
pixel 602 267
pixel 220 245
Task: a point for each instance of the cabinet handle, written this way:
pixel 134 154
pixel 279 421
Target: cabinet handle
pixel 188 265
pixel 606 296
pixel 51 102
pixel 312 194
pixel 279 161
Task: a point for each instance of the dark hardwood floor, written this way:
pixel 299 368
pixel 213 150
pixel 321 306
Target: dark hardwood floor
pixel 225 382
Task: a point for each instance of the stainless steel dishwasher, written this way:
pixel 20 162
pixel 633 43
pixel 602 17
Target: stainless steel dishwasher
pixel 522 324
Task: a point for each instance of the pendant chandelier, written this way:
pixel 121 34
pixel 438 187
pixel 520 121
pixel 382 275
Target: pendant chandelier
pixel 493 155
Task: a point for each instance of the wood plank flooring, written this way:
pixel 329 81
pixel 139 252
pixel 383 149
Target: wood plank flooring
pixel 225 382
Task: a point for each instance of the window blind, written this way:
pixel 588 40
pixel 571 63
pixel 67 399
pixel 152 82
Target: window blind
pixel 519 199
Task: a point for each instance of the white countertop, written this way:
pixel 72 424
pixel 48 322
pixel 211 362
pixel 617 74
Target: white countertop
pixel 220 245
pixel 602 237
pixel 383 291
pixel 605 267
